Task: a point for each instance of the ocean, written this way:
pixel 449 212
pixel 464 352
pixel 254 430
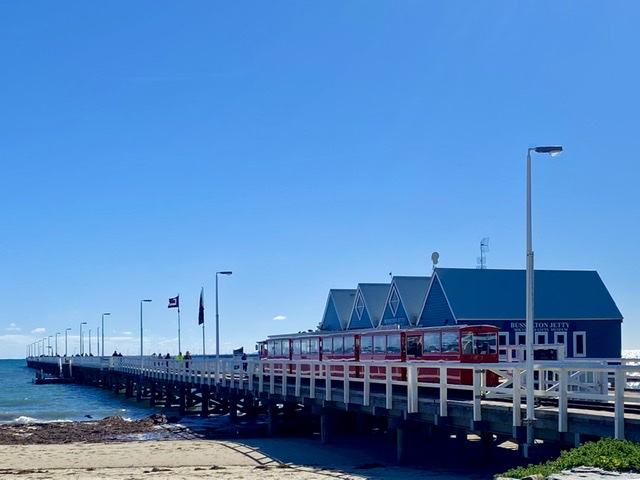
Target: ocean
pixel 22 401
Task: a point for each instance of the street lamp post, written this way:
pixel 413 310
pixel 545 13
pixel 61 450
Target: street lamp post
pixel 141 333
pixel 57 333
pixel 529 321
pixel 81 339
pixel 49 345
pixel 98 341
pixel 218 325
pixel 65 340
pixel 103 315
pixel 89 342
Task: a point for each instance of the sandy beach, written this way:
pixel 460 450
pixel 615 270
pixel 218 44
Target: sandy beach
pixel 188 457
pixel 303 459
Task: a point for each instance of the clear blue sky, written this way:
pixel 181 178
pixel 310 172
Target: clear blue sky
pixel 305 146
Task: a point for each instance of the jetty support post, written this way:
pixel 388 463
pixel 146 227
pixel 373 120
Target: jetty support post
pixel 273 419
pixel 399 427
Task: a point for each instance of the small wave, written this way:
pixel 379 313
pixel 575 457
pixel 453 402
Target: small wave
pixel 23 419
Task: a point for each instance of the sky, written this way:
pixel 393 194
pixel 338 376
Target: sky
pixel 146 145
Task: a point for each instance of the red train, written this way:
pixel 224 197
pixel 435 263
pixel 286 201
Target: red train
pixel 451 343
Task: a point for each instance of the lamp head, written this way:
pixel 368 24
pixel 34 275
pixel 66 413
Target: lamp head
pixel 105 314
pixel 224 273
pixel 551 150
pixel 83 323
pixel 145 300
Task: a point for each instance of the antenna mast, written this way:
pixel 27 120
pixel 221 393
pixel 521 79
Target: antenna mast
pixel 484 248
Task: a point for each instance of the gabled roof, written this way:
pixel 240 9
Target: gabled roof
pixel 411 292
pixel 338 309
pixel 373 297
pixel 482 294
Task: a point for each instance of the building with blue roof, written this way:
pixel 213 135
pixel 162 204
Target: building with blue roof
pixel 573 308
pixel 405 301
pixel 368 305
pixel 337 311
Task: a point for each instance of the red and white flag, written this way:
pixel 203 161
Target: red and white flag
pixel 174 302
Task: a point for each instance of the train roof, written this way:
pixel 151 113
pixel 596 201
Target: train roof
pixel 364 331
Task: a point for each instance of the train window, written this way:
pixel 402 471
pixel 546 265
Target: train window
pixel 313 345
pixel 285 348
pixel 432 342
pixel 297 350
pixel 338 345
pixel 467 344
pixel 366 344
pixel 327 345
pixel 393 343
pixel 272 348
pixel 414 346
pixel 379 344
pixel 349 345
pixel 450 342
pixel 485 343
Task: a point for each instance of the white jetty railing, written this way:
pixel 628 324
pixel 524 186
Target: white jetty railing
pixel 598 380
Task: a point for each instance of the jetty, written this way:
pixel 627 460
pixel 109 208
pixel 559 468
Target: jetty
pixel 575 401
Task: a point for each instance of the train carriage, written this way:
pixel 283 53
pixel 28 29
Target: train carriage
pixel 455 343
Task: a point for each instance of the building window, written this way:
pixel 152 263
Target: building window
pixel 521 341
pixel 541 338
pixel 560 339
pixel 503 345
pixel 394 301
pixel 579 344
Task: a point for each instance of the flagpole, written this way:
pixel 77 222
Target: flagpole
pixel 203 352
pixel 201 320
pixel 179 348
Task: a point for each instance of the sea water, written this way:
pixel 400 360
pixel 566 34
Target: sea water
pixel 22 401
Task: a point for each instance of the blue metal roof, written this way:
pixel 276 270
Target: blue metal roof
pixel 412 292
pixel 338 309
pixel 374 296
pixel 481 294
